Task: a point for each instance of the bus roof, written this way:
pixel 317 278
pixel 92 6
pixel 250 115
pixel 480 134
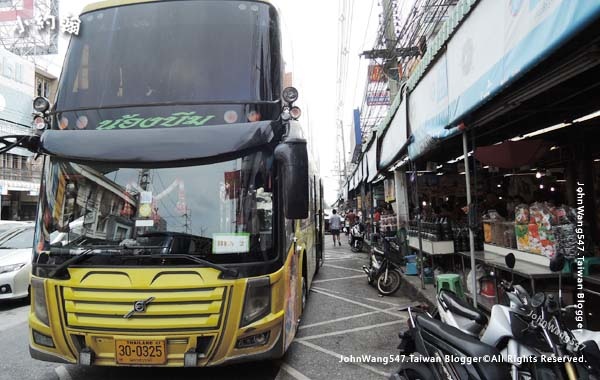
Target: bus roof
pixel 116 3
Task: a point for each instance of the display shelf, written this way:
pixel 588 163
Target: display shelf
pixel 445 247
pixel 520 255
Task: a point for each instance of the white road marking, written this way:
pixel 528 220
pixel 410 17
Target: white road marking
pixel 293 372
pixel 352 269
pixel 341 332
pixel 341 319
pixel 337 278
pixel 339 356
pixel 62 373
pixel 352 295
pixel 358 303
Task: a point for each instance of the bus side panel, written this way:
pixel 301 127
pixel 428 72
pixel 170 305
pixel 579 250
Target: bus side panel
pixel 292 275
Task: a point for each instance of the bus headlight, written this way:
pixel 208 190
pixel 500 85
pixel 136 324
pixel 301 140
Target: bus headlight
pixel 40 307
pixel 290 94
pixel 41 104
pixel 257 302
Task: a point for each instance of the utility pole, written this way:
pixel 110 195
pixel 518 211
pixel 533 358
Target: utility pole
pixel 391 63
pixel 343 149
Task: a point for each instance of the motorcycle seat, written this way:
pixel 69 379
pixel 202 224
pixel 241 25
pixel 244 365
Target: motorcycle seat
pixel 466 345
pixel 460 307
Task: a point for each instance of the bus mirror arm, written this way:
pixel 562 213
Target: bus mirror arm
pixel 29 142
pixel 292 158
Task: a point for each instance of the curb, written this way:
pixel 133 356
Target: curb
pixel 415 292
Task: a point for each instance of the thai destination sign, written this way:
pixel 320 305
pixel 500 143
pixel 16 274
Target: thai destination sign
pixel 178 119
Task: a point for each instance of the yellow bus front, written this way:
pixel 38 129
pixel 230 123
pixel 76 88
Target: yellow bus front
pixel 213 281
pixel 160 235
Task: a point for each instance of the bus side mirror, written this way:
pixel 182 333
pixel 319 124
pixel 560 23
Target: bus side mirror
pixel 292 157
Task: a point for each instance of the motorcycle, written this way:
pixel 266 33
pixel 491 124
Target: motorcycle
pixel 384 267
pixel 430 343
pixel 357 237
pixel 527 327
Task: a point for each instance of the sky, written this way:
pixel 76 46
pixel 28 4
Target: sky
pixel 311 28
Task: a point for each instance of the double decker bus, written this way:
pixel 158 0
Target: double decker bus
pixel 179 220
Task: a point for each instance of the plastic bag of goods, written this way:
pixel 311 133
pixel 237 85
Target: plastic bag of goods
pixel 479 273
pixel 522 214
pixel 540 214
pixel 533 235
pixel 522 237
pixel 560 215
pixel 565 240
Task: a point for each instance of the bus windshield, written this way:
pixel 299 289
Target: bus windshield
pixel 173 52
pixel 221 212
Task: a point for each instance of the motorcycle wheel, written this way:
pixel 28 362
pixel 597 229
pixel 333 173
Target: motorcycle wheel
pixel 412 374
pixel 356 247
pixel 392 284
pixel 370 278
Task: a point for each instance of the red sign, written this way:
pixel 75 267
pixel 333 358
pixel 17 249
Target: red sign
pixel 376 74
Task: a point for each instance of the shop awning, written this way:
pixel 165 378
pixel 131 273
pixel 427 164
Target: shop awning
pixel 512 154
pixel 394 138
pixel 371 161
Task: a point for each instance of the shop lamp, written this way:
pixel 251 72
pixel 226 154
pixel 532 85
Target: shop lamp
pixel 538 175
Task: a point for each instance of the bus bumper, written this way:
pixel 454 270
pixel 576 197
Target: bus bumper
pixel 189 350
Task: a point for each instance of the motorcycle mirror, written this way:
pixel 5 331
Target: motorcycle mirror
pixel 510 260
pixel 538 299
pixel 557 263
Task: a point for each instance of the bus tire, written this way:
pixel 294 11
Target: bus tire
pixel 304 293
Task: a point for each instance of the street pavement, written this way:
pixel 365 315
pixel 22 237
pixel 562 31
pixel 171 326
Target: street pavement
pixel 344 316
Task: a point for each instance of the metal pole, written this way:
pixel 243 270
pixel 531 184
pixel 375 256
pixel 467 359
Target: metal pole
pixel 471 236
pixel 344 157
pixel 391 64
pixel 418 209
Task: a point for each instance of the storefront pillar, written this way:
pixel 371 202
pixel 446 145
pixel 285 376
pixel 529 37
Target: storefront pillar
pixel 471 216
pixel 402 208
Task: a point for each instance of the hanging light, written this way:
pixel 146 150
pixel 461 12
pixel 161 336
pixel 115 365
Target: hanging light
pixel 538 175
pixel 552 188
pixel 541 186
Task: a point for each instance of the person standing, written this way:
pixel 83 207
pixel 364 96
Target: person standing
pixel 335 224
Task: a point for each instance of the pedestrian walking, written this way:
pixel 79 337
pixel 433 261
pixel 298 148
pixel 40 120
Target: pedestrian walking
pixel 335 224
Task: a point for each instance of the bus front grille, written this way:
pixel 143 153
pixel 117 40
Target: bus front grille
pixel 157 310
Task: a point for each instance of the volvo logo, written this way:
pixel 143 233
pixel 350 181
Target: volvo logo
pixel 139 307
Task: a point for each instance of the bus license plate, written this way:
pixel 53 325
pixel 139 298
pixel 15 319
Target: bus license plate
pixel 140 351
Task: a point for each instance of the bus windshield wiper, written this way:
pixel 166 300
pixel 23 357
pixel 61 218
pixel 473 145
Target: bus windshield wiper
pixel 81 255
pixel 73 260
pixel 97 250
pixel 228 271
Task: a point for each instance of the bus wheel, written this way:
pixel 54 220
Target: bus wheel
pixel 304 292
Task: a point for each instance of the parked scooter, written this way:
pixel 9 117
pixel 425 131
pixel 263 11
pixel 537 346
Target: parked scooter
pixel 527 327
pixel 357 237
pixel 441 352
pixel 384 267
